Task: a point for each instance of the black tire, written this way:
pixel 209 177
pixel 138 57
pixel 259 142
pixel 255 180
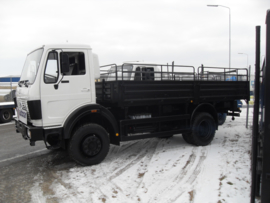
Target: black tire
pixel 203 130
pixel 53 141
pixel 221 118
pixel 187 137
pixel 6 115
pixel 89 144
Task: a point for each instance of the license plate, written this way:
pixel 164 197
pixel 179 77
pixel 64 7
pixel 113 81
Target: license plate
pixel 22 115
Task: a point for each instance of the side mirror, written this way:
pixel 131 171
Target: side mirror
pixel 64 63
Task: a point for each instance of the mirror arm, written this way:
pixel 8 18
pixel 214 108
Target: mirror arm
pixel 56 85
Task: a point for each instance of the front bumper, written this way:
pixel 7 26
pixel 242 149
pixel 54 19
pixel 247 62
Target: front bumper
pixel 29 132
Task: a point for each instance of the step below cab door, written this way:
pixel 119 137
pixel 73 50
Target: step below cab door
pixel 62 93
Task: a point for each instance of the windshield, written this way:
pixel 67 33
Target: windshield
pixel 30 67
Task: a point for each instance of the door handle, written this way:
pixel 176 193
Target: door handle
pixel 85 90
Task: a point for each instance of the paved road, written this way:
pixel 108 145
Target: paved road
pixel 20 163
pixel 13 148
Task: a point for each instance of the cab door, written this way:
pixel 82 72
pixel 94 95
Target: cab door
pixel 62 93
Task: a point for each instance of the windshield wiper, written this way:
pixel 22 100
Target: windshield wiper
pixel 23 82
pixel 26 83
pixel 20 83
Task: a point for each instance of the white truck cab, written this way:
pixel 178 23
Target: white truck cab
pixel 56 79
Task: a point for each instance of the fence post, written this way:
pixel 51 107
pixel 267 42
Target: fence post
pixel 248 101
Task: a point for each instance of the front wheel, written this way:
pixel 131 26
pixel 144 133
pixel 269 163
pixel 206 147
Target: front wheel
pixel 203 130
pixel 89 144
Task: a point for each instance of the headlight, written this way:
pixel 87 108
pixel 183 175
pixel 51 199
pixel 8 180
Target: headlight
pixel 28 133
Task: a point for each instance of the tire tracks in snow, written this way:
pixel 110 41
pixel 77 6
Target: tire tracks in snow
pixel 141 154
pixel 146 162
pixel 107 186
pixel 187 176
pixel 193 177
pixel 104 184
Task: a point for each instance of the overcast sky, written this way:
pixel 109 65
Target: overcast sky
pixel 185 31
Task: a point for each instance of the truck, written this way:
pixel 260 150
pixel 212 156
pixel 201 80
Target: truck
pixel 7 94
pixel 6 111
pixel 67 100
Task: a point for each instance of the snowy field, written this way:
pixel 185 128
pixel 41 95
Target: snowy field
pixel 159 170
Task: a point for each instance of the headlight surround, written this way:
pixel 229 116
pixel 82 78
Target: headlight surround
pixel 28 133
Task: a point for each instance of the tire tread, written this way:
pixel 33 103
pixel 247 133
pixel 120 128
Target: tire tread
pixel 193 138
pixel 73 150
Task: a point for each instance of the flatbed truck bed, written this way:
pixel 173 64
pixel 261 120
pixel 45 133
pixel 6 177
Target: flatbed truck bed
pixel 136 93
pixel 160 106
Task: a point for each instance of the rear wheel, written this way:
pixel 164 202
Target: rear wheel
pixel 203 130
pixel 89 144
pixel 187 137
pixel 6 115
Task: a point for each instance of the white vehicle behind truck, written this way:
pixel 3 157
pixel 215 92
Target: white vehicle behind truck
pixel 6 111
pixel 7 94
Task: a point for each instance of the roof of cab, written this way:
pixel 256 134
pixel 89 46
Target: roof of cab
pixel 66 46
pixel 63 46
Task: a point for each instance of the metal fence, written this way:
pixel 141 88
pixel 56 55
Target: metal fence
pixel 149 71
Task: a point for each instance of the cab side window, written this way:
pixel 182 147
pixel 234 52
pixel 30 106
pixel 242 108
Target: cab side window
pixel 148 73
pixel 51 70
pixel 76 63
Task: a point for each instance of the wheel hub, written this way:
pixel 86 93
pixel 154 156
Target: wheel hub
pixel 204 129
pixel 91 145
pixel 6 115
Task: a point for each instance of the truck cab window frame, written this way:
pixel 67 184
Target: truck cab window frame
pixel 51 66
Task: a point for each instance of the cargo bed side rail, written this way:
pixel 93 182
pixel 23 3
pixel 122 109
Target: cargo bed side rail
pixel 147 71
pixel 222 74
pixel 150 71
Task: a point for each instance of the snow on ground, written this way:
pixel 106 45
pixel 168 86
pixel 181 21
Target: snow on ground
pixel 160 170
